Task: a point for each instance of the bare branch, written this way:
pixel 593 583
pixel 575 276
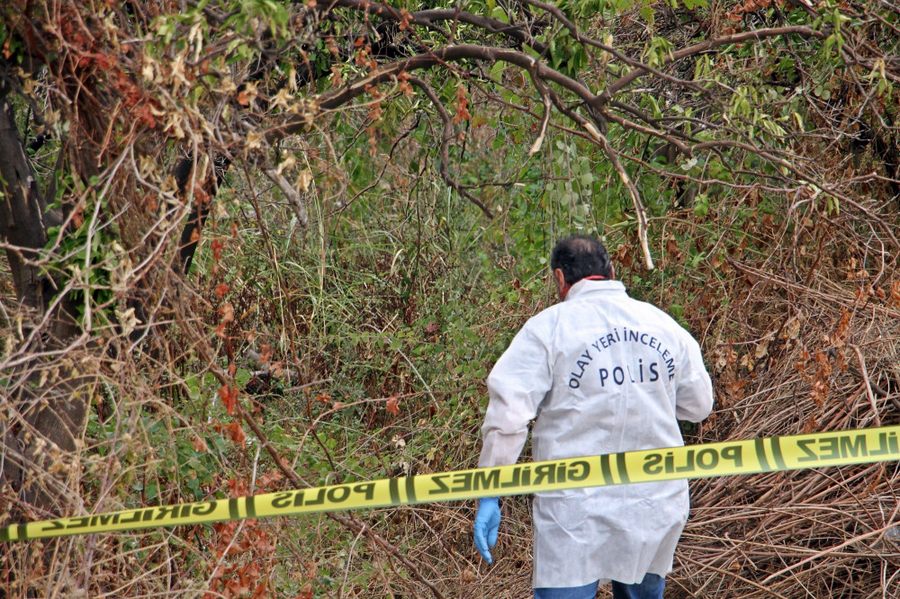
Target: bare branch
pixel 545 119
pixel 649 131
pixel 348 521
pixel 291 193
pixel 805 177
pixel 429 17
pixel 639 210
pixel 445 144
pixel 597 136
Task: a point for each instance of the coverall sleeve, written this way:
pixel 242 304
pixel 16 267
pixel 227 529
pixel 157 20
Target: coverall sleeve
pixel 517 385
pixel 694 394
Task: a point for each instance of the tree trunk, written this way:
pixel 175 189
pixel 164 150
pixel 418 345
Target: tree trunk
pixel 42 418
pixel 21 211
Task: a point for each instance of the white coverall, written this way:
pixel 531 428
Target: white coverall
pixel 602 373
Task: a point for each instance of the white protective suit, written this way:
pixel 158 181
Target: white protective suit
pixel 602 373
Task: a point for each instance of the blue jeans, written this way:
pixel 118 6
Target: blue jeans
pixel 650 588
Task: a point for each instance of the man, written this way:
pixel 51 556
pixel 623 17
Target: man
pixel 601 373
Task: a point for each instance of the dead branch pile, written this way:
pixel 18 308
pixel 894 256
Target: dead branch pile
pixel 815 347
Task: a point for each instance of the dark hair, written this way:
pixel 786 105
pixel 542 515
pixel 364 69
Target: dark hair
pixel 580 256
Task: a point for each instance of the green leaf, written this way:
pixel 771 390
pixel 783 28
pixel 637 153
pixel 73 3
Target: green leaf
pixel 701 204
pixel 658 51
pixel 151 491
pixel 647 12
pixel 496 72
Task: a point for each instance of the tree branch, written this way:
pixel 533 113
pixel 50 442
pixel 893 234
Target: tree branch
pixel 445 145
pixel 684 149
pixel 736 38
pixel 545 119
pixel 600 138
pixel 428 18
pixel 190 235
pixel 589 41
pixel 337 98
pixel 639 210
pixel 769 156
pixel 467 51
pixel 291 193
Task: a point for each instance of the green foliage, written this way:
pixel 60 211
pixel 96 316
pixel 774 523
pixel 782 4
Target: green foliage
pixel 658 51
pixel 89 256
pixel 566 55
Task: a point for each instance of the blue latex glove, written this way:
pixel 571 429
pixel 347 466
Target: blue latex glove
pixel 487 523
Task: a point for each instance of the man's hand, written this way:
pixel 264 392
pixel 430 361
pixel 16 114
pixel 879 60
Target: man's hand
pixel 487 523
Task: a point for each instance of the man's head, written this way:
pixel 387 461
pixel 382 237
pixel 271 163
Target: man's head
pixel 577 257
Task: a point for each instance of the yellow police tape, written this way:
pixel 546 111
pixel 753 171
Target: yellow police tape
pixel 693 461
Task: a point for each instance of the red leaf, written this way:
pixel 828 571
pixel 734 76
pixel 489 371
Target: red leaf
pixel 895 294
pixel 462 106
pixel 268 479
pixel 236 486
pixel 229 396
pixel 144 114
pixel 393 406
pixel 265 353
pixel 226 312
pixel 236 433
pixel 332 46
pixel 405 19
pixel 199 445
